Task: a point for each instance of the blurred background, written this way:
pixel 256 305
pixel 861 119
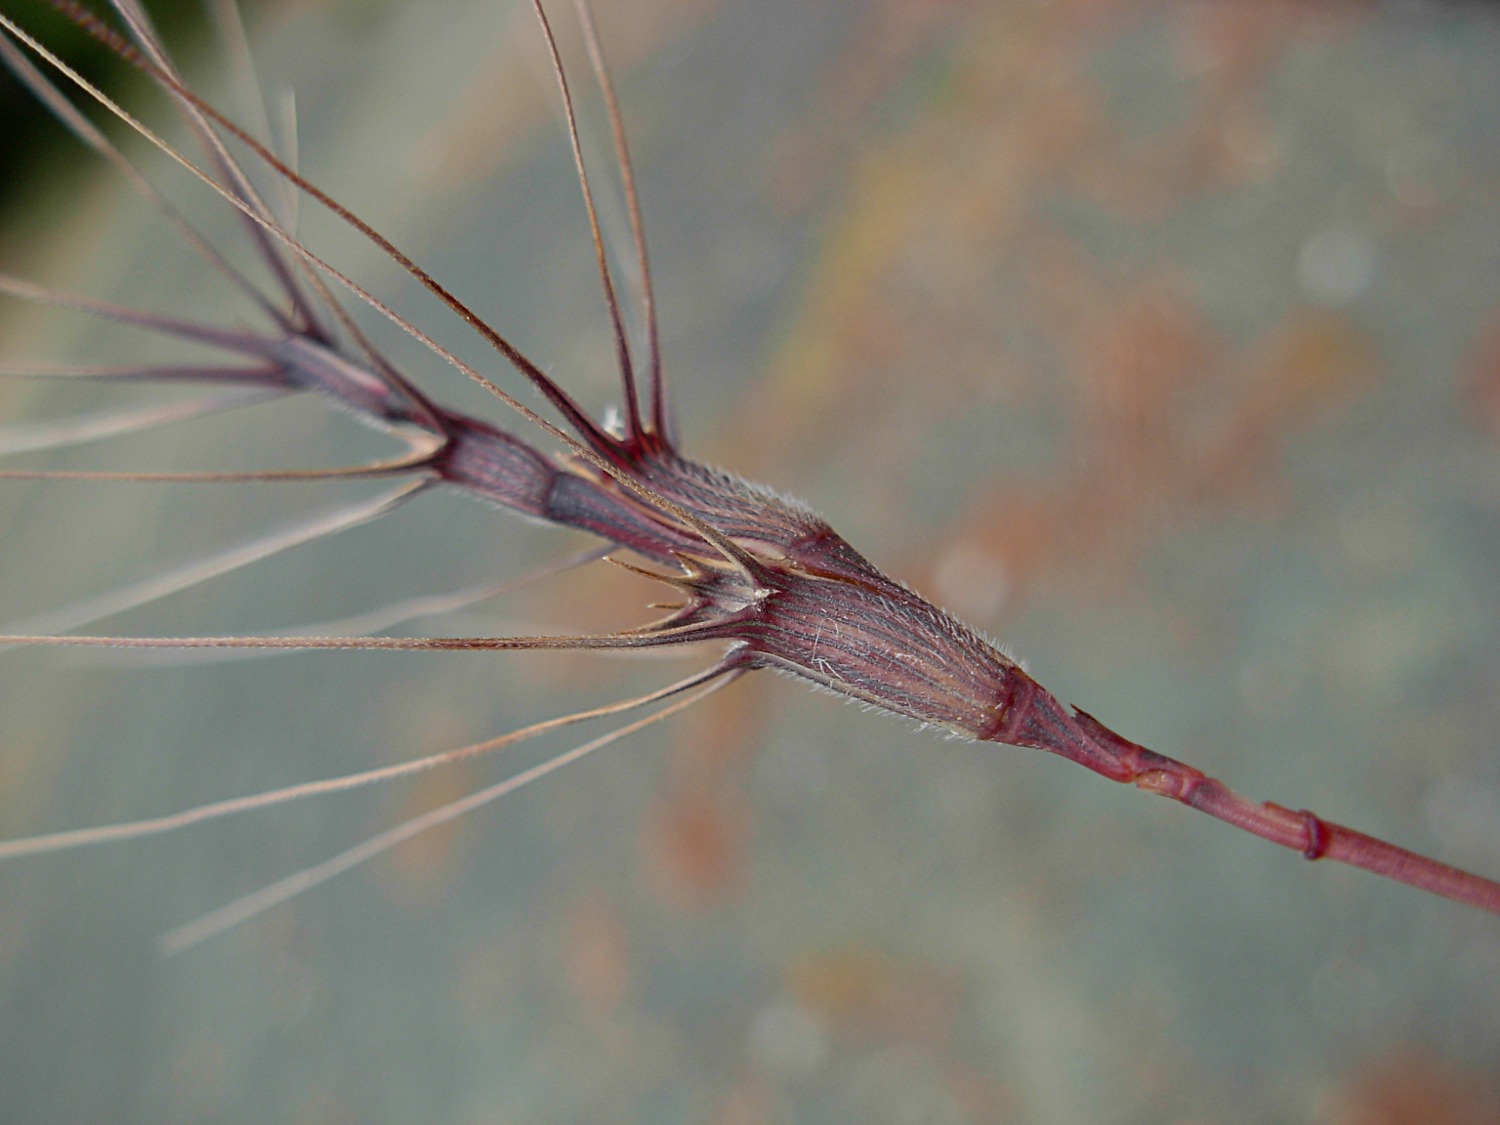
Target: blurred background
pixel 1160 341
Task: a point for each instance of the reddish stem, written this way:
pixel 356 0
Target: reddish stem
pixel 1034 717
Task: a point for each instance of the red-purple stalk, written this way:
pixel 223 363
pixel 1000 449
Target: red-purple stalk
pixel 759 572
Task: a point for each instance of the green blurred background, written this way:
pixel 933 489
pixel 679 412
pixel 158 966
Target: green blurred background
pixel 1161 341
